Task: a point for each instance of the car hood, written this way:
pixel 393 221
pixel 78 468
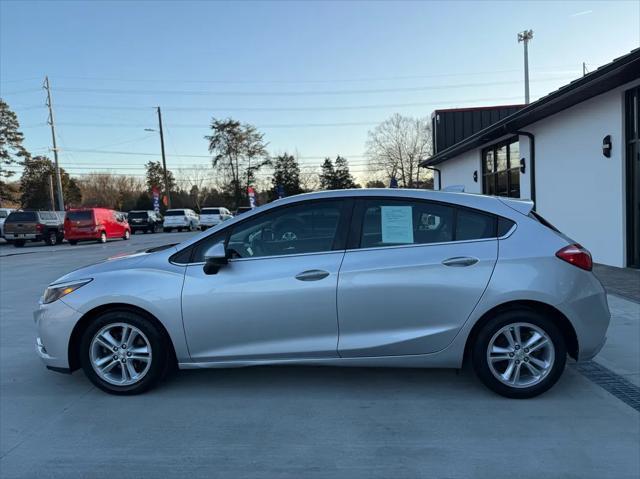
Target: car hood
pixel 114 263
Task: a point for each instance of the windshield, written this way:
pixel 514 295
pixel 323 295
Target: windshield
pixel 210 211
pixel 175 213
pixel 86 215
pixel 138 215
pixel 18 216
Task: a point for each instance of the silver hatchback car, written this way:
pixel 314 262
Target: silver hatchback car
pixel 402 278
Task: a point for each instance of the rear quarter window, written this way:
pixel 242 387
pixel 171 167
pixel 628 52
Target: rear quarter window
pixel 472 225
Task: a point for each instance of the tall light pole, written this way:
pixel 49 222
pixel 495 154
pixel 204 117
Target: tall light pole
pixel 164 159
pixel 525 37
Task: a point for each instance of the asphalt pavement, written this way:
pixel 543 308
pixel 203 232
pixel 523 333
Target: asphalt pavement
pixel 297 422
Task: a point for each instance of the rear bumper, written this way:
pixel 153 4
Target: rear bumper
pixel 22 236
pixel 81 236
pixel 590 316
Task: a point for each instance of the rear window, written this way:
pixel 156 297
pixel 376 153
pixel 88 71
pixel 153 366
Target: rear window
pixel 18 216
pixel 175 213
pixel 86 215
pixel 142 215
pixel 210 211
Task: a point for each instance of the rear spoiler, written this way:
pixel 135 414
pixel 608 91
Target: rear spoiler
pixel 521 206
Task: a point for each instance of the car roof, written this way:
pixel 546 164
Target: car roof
pixel 471 200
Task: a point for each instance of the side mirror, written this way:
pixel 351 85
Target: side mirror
pixel 214 258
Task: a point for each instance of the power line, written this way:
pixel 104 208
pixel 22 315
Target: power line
pixel 134 153
pixel 205 126
pixel 116 91
pixel 544 70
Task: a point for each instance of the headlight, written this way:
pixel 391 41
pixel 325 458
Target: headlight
pixel 57 291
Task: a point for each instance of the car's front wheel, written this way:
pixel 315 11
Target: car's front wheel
pixel 123 353
pixel 519 354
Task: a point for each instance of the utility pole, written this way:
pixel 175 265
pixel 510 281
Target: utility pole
pixel 53 200
pixel 525 37
pixel 47 87
pixel 164 160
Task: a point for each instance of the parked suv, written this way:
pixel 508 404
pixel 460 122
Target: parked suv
pixel 180 219
pixel 213 216
pixel 96 224
pixel 23 226
pixel 4 212
pixel 147 221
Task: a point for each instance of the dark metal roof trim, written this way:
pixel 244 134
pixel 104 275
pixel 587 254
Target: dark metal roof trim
pixel 620 71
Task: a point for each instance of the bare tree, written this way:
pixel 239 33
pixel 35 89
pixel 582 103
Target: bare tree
pixel 110 190
pixel 197 180
pixel 397 146
pixel 238 151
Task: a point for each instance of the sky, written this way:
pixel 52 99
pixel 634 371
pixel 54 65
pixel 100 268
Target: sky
pixel 314 77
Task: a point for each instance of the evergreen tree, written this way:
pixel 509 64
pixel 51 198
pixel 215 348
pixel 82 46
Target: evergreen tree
pixel 286 175
pixel 35 185
pixel 155 177
pixel 11 150
pixel 343 178
pixel 328 175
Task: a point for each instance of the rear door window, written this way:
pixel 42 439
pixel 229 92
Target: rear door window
pixel 391 222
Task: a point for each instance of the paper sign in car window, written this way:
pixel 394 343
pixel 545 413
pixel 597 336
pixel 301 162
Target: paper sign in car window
pixel 397 224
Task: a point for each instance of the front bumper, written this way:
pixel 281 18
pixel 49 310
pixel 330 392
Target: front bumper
pixel 54 322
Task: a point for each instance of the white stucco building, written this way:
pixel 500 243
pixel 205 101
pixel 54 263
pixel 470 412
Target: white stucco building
pixel 575 152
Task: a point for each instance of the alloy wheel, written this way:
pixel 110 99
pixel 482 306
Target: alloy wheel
pixel 120 354
pixel 520 355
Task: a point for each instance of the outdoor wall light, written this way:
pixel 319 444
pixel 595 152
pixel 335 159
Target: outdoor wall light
pixel 523 165
pixel 475 176
pixel 606 146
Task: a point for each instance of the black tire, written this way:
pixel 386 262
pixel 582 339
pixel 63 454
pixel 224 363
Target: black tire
pixel 73 242
pixel 19 243
pixel 51 238
pixel 103 238
pixel 160 354
pixel 166 230
pixel 127 235
pixel 500 320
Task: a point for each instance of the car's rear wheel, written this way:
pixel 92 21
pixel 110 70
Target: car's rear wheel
pixel 51 238
pixel 519 354
pixel 123 353
pixel 19 243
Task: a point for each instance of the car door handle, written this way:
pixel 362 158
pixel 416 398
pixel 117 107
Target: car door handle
pixel 460 261
pixel 312 275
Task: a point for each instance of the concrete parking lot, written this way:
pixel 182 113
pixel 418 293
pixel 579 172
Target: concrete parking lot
pixel 298 422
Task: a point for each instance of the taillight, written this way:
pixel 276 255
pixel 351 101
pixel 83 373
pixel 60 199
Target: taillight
pixel 39 227
pixel 577 256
